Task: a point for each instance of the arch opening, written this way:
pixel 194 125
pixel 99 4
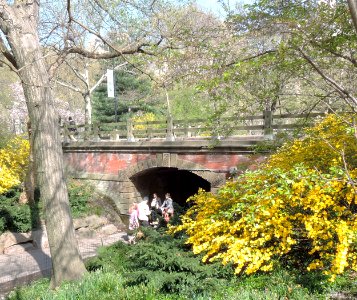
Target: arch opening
pixel 181 184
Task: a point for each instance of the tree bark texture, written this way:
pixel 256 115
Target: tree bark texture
pixel 19 23
pixel 352 4
pixel 88 109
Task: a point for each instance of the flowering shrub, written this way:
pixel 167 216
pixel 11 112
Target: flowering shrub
pixel 331 142
pixel 13 163
pixel 147 117
pixel 301 206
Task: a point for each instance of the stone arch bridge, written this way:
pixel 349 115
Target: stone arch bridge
pixel 128 171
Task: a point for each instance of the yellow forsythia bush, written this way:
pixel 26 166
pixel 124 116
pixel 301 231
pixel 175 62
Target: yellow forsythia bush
pixel 13 163
pixel 148 117
pixel 331 142
pixel 301 206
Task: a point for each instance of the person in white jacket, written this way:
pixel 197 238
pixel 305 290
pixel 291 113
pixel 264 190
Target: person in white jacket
pixel 144 212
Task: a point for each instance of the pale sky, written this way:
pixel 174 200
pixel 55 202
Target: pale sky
pixel 214 6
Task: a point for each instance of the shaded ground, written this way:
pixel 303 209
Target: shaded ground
pixel 22 268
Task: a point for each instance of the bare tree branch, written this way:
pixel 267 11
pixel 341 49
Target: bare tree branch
pixel 69 11
pixel 79 75
pixel 342 91
pixel 71 87
pixel 10 58
pixel 350 59
pixel 251 57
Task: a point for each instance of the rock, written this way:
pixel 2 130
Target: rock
pixel 19 248
pixel 108 229
pixel 85 228
pixel 79 223
pixel 85 232
pixel 40 239
pixel 9 239
pixel 121 227
pixel 95 221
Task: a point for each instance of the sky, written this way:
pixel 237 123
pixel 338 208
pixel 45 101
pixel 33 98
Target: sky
pixel 214 6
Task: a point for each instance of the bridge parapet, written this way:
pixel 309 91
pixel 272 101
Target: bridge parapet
pixel 261 127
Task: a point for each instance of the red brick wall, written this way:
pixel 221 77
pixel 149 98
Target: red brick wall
pixel 111 163
pixel 215 161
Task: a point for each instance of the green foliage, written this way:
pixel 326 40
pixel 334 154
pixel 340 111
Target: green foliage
pixel 162 267
pixel 23 217
pixel 286 54
pixel 5 135
pixel 164 263
pixel 167 265
pixel 96 285
pixel 79 196
pixel 130 91
pixel 2 224
pixel 14 216
pixel 188 103
pixel 271 146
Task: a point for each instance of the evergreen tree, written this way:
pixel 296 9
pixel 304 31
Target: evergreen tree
pixel 131 92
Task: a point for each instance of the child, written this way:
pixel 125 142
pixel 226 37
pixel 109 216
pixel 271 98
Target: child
pixel 133 219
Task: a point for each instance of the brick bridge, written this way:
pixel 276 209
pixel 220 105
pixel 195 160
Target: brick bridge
pixel 127 171
pixel 127 161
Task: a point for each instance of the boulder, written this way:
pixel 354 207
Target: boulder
pixel 19 248
pixel 9 239
pixel 85 232
pixel 108 229
pixel 80 223
pixel 95 221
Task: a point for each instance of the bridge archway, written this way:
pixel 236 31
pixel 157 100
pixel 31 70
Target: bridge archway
pixel 127 178
pixel 181 184
pixel 165 173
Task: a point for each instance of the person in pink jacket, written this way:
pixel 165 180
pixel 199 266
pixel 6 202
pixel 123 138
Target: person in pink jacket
pixel 134 217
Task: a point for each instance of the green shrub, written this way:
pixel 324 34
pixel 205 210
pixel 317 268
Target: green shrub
pixel 14 216
pixel 164 263
pixel 162 267
pixel 79 195
pixel 22 217
pixel 2 224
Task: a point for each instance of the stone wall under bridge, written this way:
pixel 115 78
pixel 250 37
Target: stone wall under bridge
pixel 127 175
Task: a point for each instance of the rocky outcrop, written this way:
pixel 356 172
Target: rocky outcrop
pixel 87 227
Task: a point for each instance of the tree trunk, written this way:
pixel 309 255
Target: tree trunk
pixel 88 109
pixel 30 181
pixel 352 4
pixel 20 27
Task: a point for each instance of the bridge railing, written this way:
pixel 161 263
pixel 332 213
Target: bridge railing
pixel 264 125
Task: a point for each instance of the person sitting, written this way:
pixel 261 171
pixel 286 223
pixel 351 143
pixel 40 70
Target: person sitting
pixel 155 207
pixel 144 212
pixel 167 208
pixel 72 128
